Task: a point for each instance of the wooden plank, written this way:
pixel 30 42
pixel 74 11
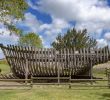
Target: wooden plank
pixel 26 71
pixel 104 54
pixel 72 62
pixel 81 58
pixel 39 62
pixel 54 65
pixel 57 61
pixel 36 63
pixel 16 61
pixel 26 65
pixel 75 62
pixel 32 61
pixel 29 55
pixel 65 63
pixel 68 62
pixel 49 78
pixel 51 63
pixel 89 80
pixel 42 66
pixel 17 80
pixel 21 55
pixel 45 62
pixel 107 53
pixel 12 60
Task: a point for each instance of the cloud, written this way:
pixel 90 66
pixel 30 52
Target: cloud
pixel 44 30
pixel 52 30
pixel 78 10
pixel 91 14
pixel 101 42
pixel 107 36
pixel 31 22
pixel 55 27
pixel 6 38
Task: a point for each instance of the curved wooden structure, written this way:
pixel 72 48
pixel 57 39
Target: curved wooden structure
pixel 49 62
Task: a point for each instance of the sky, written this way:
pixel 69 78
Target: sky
pixel 48 18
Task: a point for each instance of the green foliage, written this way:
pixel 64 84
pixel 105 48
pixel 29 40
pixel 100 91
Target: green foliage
pixel 30 39
pixel 15 30
pixel 73 38
pixel 11 10
pixel 14 8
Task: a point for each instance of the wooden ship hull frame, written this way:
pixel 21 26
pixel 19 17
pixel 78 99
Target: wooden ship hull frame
pixel 27 62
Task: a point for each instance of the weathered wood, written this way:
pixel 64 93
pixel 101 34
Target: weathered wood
pixel 26 71
pixel 51 63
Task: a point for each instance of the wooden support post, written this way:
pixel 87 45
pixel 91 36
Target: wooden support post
pixel 58 74
pixel 26 71
pixel 31 81
pixel 91 71
pixel 70 78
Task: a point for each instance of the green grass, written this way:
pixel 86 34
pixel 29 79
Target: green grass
pixel 55 92
pixel 4 68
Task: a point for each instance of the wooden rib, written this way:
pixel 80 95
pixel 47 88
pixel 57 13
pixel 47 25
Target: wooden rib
pixel 39 65
pixel 107 53
pixel 32 60
pixel 52 67
pixel 12 60
pixel 16 61
pixel 36 62
pixel 57 61
pixel 49 51
pixel 53 61
pixel 72 62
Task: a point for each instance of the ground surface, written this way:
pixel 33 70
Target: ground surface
pixel 56 92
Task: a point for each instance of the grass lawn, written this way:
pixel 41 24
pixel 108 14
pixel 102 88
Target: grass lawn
pixel 5 68
pixel 54 92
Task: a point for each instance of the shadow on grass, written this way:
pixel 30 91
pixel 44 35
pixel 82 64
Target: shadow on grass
pixel 105 96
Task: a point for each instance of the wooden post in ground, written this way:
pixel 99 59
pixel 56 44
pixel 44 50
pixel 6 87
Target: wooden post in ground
pixel 70 78
pixel 26 71
pixel 57 60
pixel 31 81
pixel 91 70
pixel 58 74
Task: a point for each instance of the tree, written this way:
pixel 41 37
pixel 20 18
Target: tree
pixel 12 11
pixel 73 38
pixel 30 39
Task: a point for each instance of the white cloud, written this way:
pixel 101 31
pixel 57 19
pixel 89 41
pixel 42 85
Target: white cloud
pixel 52 30
pixel 55 27
pixel 80 10
pixel 91 14
pixel 101 42
pixel 107 36
pixel 31 22
pixel 5 37
pixel 36 25
pixel 94 29
pixel 44 30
